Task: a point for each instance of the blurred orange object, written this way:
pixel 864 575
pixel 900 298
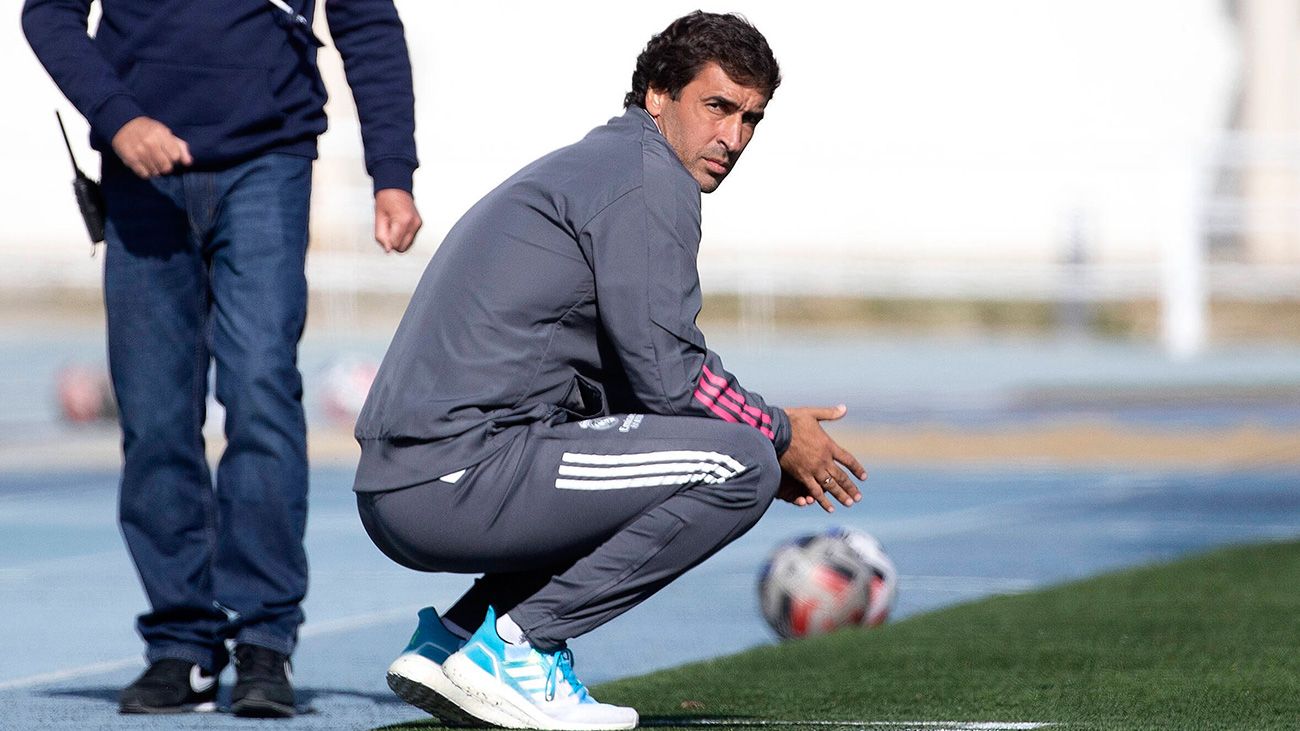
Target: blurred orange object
pixel 84 394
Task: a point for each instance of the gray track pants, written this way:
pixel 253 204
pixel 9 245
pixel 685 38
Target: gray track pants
pixel 574 524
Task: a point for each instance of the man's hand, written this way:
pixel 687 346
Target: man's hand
pixel 811 466
pixel 396 220
pixel 792 491
pixel 149 148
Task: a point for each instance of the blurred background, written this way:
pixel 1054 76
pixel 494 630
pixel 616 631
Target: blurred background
pixel 1048 252
pixel 1012 174
pixel 1138 159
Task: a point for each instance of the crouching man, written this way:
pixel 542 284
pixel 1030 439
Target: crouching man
pixel 549 416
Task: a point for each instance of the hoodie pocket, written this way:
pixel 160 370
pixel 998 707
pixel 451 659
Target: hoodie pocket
pixel 236 100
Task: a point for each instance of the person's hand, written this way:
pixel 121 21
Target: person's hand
pixel 815 463
pixel 149 148
pixel 396 220
pixel 792 491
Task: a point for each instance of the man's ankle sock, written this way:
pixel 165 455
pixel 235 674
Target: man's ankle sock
pixel 509 631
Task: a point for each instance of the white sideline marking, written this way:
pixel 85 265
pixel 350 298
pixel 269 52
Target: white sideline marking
pixel 316 629
pixel 967 584
pixel 928 725
pixel 359 621
pixel 57 676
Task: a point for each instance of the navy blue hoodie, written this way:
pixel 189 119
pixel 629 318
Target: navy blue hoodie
pixel 233 78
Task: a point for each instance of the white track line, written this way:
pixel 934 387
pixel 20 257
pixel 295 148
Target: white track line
pixel 358 621
pixel 967 584
pixel 58 676
pixel 928 725
pixel 316 629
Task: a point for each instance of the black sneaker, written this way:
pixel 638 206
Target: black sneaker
pixel 262 685
pixel 171 686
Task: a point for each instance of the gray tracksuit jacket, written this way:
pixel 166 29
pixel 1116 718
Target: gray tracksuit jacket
pixel 570 291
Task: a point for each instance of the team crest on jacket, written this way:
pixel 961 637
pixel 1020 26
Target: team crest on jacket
pixel 600 423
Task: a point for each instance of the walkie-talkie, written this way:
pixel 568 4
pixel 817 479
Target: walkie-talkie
pixel 90 199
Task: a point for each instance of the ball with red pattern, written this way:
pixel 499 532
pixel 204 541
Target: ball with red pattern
pixel 819 583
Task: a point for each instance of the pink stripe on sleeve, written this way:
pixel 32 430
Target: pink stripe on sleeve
pixel 725 415
pixel 704 399
pixel 716 380
pixel 716 396
pixel 709 388
pixel 722 401
pixel 714 383
pixel 738 411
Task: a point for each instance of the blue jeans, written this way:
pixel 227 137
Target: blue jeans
pixel 203 268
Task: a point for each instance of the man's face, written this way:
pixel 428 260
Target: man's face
pixel 709 124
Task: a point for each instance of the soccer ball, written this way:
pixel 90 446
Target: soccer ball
pixel 345 386
pixel 818 583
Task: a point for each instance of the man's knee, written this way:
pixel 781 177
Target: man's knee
pixel 755 471
pixel 262 382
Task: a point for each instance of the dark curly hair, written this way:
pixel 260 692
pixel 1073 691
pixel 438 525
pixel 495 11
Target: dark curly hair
pixel 672 58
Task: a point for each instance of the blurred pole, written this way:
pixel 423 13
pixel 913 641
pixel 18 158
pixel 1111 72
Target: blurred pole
pixel 1073 314
pixel 1184 197
pixel 1184 301
pixel 757 306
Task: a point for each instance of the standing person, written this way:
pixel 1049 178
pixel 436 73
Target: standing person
pixel 548 413
pixel 207 115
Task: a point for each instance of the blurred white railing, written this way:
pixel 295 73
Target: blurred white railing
pixel 810 273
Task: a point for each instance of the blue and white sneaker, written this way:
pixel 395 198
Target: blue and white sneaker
pixel 537 690
pixel 416 675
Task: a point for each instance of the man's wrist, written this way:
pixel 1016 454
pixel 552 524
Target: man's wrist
pixel 782 433
pixel 393 173
pixel 113 114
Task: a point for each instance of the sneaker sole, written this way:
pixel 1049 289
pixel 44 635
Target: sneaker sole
pixel 421 682
pixel 136 708
pixel 262 708
pixel 488 694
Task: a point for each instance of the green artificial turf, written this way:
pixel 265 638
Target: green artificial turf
pixel 1210 642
